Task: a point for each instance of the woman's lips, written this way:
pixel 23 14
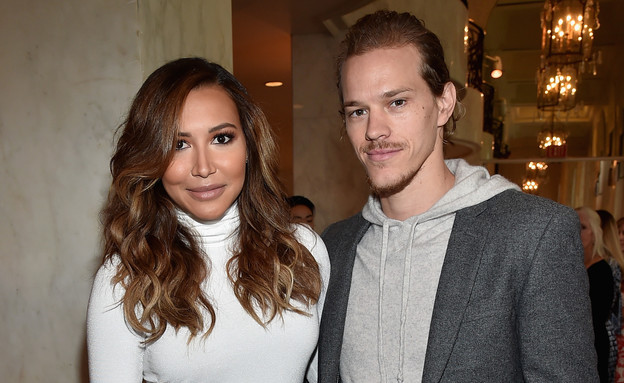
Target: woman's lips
pixel 206 193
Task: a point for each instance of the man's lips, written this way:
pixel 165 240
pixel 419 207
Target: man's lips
pixel 377 155
pixel 206 193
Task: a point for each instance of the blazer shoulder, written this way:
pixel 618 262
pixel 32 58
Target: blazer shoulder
pixel 519 203
pixel 340 228
pixel 344 233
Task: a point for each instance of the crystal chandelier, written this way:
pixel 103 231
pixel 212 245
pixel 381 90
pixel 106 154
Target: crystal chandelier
pixel 535 174
pixel 567 36
pixel 556 87
pixel 538 168
pixel 568 30
pixel 552 140
pixel 530 186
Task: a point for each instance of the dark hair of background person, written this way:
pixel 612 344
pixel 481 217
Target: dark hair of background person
pixel 300 200
pixel 162 266
pixel 389 29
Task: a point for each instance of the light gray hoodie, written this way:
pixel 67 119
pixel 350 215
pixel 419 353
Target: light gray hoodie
pixel 395 279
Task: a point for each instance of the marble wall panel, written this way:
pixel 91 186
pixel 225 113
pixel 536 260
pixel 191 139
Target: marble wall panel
pixel 326 169
pixel 70 69
pixel 170 29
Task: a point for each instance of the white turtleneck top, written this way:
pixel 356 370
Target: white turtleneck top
pixel 237 350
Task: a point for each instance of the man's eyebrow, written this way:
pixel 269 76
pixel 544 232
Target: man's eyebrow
pixel 394 92
pixel 387 94
pixel 351 103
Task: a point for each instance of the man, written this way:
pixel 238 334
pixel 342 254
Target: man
pixel 301 210
pixel 447 274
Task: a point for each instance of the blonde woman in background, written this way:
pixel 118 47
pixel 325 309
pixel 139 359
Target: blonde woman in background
pixel 620 225
pixel 600 285
pixel 613 255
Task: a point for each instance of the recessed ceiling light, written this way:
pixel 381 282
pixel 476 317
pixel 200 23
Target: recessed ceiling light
pixel 273 84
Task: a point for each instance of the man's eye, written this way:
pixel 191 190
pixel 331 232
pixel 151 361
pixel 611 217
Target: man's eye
pixel 357 113
pixel 398 103
pixel 181 144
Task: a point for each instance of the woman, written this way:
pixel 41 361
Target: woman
pixel 615 259
pixel 620 225
pixel 600 284
pixel 203 277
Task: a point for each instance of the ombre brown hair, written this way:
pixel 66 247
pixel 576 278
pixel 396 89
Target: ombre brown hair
pixel 160 263
pixel 390 29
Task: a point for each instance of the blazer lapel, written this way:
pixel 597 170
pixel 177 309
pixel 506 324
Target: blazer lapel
pixel 342 252
pixel 459 270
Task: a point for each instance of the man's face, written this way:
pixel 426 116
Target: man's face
pixel 392 118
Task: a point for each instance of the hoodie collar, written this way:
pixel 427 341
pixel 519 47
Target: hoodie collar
pixel 473 185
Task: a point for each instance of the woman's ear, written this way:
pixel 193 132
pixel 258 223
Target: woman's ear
pixel 446 103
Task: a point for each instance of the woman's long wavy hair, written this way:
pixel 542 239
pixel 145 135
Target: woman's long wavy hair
pixel 161 263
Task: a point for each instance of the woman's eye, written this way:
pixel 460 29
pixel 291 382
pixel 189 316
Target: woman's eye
pixel 222 139
pixel 181 144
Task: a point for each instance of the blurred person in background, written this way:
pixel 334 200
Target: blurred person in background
pixel 601 285
pixel 301 210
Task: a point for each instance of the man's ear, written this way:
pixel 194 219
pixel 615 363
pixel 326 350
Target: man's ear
pixel 446 103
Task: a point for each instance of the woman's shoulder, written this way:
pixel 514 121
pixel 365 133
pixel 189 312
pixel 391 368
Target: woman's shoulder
pixel 103 281
pixel 311 240
pixel 600 267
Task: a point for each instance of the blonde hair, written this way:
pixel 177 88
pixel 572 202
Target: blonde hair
pixel 610 237
pixel 594 225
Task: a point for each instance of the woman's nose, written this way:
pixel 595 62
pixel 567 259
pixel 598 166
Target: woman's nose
pixel 203 165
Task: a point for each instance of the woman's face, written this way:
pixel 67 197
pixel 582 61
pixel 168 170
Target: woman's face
pixel 587 235
pixel 207 172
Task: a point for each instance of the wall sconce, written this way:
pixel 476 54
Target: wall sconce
pixel 497 66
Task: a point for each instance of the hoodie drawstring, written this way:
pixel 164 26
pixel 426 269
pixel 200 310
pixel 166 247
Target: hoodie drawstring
pixel 404 295
pixel 382 270
pixel 407 268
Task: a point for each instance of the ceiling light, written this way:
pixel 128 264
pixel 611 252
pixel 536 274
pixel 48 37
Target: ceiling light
pixel 273 84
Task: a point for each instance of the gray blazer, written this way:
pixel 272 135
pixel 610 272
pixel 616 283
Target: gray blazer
pixel 512 303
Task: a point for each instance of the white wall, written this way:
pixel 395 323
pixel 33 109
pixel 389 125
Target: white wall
pixel 69 69
pixel 68 72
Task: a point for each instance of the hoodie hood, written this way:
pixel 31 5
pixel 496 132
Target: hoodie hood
pixel 473 185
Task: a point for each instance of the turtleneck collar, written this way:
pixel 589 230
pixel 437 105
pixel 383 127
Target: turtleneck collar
pixel 213 232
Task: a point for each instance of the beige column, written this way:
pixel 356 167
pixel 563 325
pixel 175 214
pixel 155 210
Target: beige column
pixel 180 28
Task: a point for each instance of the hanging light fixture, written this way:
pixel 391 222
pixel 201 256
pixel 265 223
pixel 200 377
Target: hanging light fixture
pixel 530 186
pixel 556 87
pixel 552 140
pixel 568 30
pixel 538 169
pixel 567 37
